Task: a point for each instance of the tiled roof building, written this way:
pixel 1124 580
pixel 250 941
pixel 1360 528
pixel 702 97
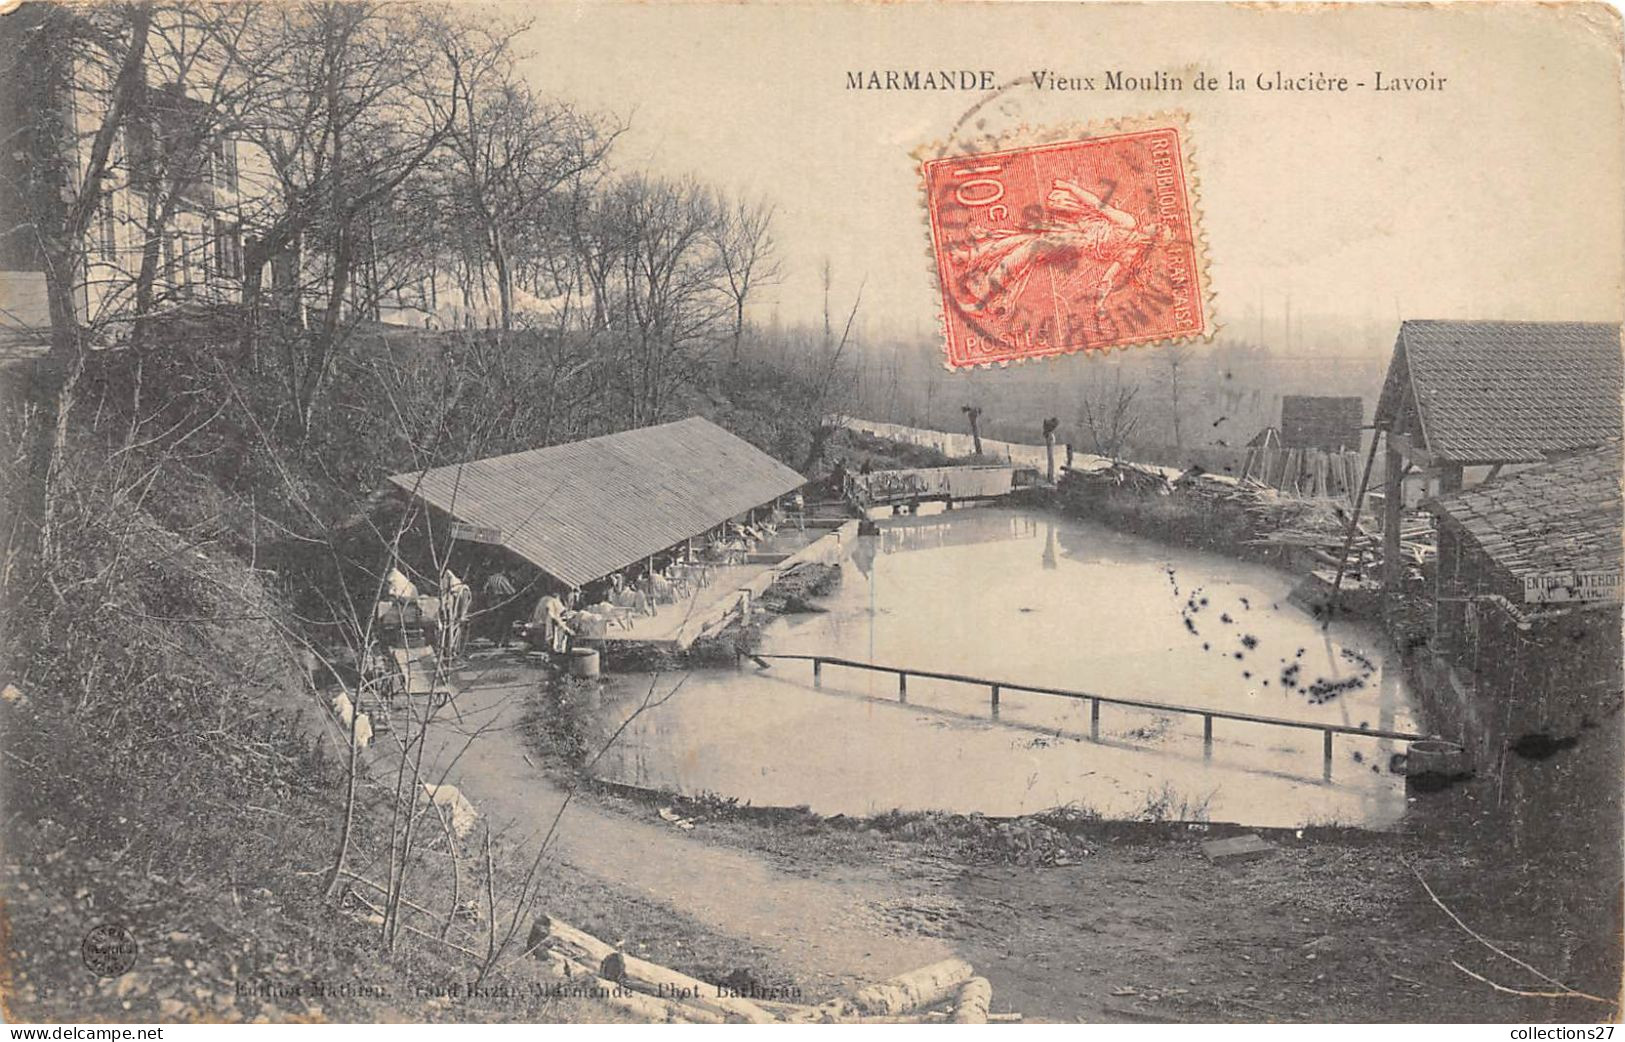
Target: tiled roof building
pixel 1560 516
pixel 1465 394
pixel 1474 393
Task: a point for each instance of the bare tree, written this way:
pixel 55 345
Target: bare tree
pixel 831 381
pixel 748 257
pixel 1173 359
pixel 68 146
pixel 663 279
pixel 361 102
pixel 510 151
pixel 206 69
pixel 1111 416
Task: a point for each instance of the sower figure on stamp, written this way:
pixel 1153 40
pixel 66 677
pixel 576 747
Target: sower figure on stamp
pixel 1082 229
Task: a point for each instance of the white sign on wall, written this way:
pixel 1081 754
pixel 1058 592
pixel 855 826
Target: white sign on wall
pixel 475 533
pixel 1572 586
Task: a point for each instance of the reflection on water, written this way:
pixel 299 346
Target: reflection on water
pixel 1024 597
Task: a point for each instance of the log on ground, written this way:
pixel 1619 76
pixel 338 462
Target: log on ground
pixel 647 977
pixel 916 989
pixel 970 1007
pixel 648 1009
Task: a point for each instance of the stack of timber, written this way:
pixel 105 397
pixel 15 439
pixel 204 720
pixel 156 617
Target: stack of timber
pixel 1100 473
pixel 1304 472
pixel 946 991
pixel 1319 528
pixel 1316 534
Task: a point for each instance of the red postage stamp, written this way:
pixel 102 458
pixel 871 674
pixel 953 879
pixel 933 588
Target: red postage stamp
pixel 1069 246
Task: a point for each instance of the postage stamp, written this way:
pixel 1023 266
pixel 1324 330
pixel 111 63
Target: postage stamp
pixel 1074 245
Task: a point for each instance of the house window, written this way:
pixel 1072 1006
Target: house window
pixel 141 154
pixel 223 162
pixel 181 258
pixel 106 230
pixel 226 253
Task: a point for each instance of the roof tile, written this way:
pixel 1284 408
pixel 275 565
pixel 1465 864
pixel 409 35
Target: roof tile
pixel 1555 517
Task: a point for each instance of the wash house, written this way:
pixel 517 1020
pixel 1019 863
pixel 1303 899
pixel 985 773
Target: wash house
pixel 571 517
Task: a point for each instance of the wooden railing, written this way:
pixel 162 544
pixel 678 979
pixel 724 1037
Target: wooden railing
pixel 996 687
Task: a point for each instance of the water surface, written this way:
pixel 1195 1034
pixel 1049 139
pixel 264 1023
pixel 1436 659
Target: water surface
pixel 1028 597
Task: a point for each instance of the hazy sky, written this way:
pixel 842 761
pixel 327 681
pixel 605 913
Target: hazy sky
pixel 1498 197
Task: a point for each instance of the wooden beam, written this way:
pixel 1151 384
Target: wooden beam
pixel 1348 536
pixel 1405 445
pixel 1393 568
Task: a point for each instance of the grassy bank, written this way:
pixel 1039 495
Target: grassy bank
pixel 185 784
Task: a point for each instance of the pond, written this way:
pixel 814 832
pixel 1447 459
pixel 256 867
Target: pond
pixel 1023 596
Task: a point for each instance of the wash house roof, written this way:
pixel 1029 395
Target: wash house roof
pixel 1553 517
pixel 1505 392
pixel 588 508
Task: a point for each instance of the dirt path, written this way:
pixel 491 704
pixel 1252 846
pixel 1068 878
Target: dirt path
pixel 824 930
pixel 1143 928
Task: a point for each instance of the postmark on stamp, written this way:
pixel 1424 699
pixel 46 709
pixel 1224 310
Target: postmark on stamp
pixel 1073 245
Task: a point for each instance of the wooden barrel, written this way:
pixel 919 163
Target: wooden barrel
pixel 582 662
